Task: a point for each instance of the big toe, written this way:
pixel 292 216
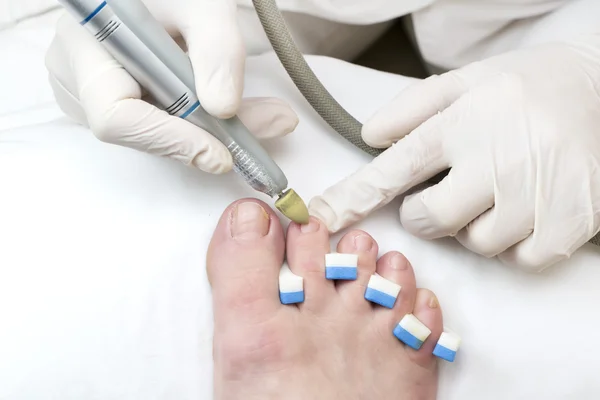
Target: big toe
pixel 243 263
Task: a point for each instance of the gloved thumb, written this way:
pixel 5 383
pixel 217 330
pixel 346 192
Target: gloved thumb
pixel 217 54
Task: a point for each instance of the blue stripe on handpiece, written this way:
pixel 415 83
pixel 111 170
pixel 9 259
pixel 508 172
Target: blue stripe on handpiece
pixel 191 110
pixel 94 13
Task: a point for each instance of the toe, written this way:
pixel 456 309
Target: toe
pixel 394 267
pixel 306 248
pixel 243 262
pixel 427 310
pixel 365 247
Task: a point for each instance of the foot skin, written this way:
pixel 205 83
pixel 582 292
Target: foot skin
pixel 334 345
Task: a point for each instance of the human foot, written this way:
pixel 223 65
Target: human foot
pixel 335 344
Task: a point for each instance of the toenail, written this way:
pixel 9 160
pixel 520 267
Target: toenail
pixel 398 262
pixel 433 302
pixel 250 220
pixel 363 242
pixel 311 227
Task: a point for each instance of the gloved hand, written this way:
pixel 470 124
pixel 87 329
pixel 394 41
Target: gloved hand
pixel 92 88
pixel 520 133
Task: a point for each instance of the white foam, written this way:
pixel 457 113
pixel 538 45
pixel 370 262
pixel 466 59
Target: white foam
pixel 415 327
pixel 450 341
pixel 379 283
pixel 341 260
pixel 288 281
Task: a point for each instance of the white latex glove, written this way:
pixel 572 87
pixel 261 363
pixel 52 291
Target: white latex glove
pixel 92 88
pixel 521 134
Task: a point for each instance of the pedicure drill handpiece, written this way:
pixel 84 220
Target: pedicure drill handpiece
pixel 130 33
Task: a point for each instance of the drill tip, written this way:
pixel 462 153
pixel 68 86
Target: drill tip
pixel 293 207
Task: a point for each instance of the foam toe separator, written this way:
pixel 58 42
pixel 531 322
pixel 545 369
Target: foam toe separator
pixel 291 286
pixel 447 346
pixel 341 266
pixel 382 291
pixel 412 332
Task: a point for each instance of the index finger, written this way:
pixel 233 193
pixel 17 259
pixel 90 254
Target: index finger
pixel 409 162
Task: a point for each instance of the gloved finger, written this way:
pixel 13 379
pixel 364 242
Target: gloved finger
pixel 68 103
pixel 534 254
pixel 413 106
pixel 111 101
pixel 60 71
pixel 578 221
pixel 178 139
pixel 447 207
pixel 93 89
pixel 158 133
pixel 216 51
pixel 412 160
pixel 421 101
pixel 267 117
pixel 507 223
pixel 490 234
pixel 138 125
pixel 117 115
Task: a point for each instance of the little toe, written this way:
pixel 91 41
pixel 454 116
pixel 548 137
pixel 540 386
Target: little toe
pixel 306 248
pixel 395 268
pixel 243 263
pixel 428 311
pixel 365 247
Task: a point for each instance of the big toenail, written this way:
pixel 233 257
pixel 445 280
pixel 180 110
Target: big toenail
pixel 363 243
pixel 311 227
pixel 250 220
pixel 398 262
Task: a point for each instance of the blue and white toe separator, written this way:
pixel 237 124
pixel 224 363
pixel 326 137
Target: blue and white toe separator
pixel 412 332
pixel 382 291
pixel 447 346
pixel 341 266
pixel 291 286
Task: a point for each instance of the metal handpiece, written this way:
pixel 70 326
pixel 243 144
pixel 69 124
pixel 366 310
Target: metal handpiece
pixel 143 47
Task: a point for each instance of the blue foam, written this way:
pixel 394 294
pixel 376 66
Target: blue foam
pixel 341 273
pixel 444 353
pixel 407 338
pixel 291 297
pixel 383 299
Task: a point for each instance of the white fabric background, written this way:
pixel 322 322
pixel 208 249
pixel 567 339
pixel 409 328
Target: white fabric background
pixel 450 33
pixel 103 293
pixel 313 34
pixel 453 33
